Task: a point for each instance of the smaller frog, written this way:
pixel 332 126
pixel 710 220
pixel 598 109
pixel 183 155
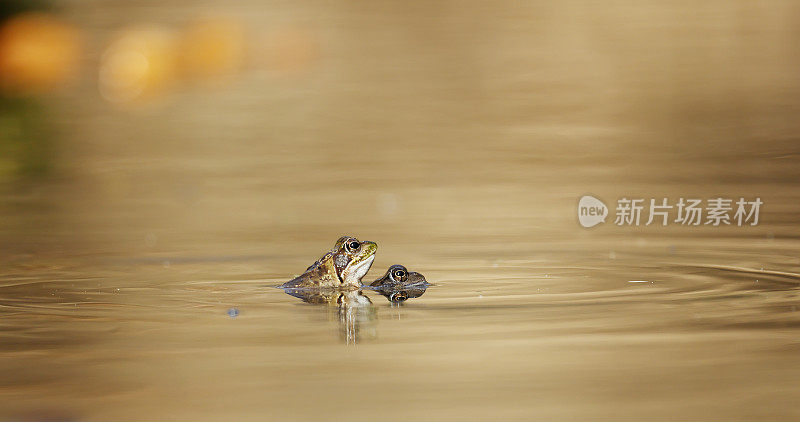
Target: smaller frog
pixel 399 285
pixel 397 276
pixel 343 266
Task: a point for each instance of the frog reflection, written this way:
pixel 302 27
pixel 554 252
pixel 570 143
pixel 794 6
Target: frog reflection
pixel 354 310
pixel 399 285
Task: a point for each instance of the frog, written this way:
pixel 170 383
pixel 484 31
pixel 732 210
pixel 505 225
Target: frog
pixel 399 284
pixel 342 267
pixel 398 275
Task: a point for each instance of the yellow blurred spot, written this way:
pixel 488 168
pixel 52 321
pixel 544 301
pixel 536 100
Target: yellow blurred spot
pixel 211 48
pixel 38 53
pixel 139 64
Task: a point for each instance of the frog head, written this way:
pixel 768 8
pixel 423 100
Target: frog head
pixel 398 275
pixel 352 258
pixel 399 284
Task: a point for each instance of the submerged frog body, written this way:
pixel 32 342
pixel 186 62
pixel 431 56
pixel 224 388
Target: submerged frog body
pixel 341 298
pixel 342 266
pixel 398 284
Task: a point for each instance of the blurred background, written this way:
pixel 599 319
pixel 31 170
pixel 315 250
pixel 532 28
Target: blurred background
pixel 209 120
pixel 167 148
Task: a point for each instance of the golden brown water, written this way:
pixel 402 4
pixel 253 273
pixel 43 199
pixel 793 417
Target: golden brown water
pixel 459 137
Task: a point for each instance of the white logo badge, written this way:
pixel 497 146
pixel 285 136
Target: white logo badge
pixel 591 211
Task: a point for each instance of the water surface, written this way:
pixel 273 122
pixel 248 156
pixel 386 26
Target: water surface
pixel 137 282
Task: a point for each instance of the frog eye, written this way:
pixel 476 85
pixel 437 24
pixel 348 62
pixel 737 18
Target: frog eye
pixel 398 296
pixel 353 245
pixel 399 274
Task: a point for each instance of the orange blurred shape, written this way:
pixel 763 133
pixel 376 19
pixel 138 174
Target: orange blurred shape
pixel 211 48
pixel 140 64
pixel 38 53
pixel 291 50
